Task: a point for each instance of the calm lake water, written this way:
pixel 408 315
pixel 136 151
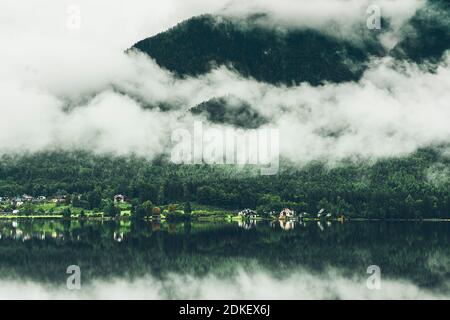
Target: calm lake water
pixel 224 260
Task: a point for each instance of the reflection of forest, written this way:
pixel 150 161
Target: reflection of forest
pixel 41 250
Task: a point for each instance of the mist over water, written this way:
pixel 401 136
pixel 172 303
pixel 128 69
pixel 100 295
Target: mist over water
pixel 66 89
pixel 244 285
pixel 224 260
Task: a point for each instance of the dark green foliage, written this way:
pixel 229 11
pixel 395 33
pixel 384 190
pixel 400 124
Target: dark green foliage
pixel 414 251
pixel 391 188
pixel 187 208
pixel 280 57
pixel 234 112
pixel 110 210
pixel 66 213
pixel 176 216
pixel 143 210
pixel 27 209
pixel 427 36
pixel 94 198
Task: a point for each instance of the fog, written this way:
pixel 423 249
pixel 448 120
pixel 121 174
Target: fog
pixel 242 285
pixel 66 88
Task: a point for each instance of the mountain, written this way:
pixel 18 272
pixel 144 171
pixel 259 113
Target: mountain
pixel 195 46
pixel 230 110
pixel 278 56
pixel 427 35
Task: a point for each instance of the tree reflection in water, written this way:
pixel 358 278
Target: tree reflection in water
pixel 41 250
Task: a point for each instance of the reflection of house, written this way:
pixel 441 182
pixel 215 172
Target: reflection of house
pixel 287 225
pixel 156 226
pixel 118 198
pixel 247 225
pixel 286 214
pixel 118 236
pixel 319 224
pixel 247 213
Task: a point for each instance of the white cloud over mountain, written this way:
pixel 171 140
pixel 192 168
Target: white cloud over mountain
pixel 70 89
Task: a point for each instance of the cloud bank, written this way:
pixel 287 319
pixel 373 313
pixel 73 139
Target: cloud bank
pixel 76 89
pixel 257 285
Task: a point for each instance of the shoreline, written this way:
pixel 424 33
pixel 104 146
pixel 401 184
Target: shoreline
pixel 215 219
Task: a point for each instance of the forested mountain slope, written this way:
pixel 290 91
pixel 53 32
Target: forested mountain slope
pixel 408 187
pixel 289 57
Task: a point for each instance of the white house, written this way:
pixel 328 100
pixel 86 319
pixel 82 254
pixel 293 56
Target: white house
pixel 118 198
pixel 27 197
pixel 247 213
pixel 320 213
pixel 286 214
pixel 60 199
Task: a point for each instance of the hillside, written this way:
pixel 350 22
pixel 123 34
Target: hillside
pixel 427 36
pixel 408 187
pixel 230 111
pixel 195 46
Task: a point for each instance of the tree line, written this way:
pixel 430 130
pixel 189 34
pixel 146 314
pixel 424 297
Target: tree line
pixel 409 187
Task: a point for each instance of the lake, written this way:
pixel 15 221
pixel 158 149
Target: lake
pixel 225 260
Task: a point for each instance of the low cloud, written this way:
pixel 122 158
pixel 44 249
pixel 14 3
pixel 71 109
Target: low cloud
pixel 342 18
pixel 77 89
pixel 243 285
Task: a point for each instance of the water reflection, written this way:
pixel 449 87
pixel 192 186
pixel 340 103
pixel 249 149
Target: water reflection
pixel 247 224
pixel 287 225
pixel 59 229
pixel 42 249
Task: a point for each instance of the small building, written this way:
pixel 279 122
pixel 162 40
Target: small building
pixel 41 198
pixel 17 203
pixel 156 214
pixel 321 213
pixel 118 198
pixel 286 214
pixel 247 213
pixel 27 197
pixel 59 199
